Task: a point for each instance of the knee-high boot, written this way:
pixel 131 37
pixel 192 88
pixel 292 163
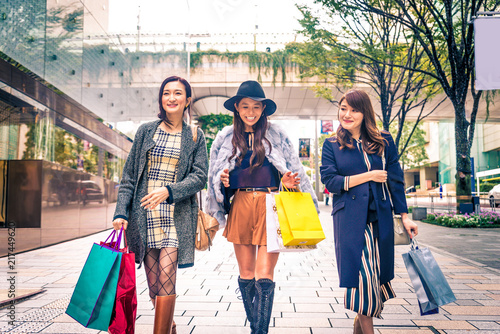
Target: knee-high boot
pixel 164 314
pixel 247 290
pixel 263 305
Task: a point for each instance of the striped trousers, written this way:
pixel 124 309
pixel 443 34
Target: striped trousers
pixel 369 297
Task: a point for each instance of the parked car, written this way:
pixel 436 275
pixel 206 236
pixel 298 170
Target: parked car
pixel 90 192
pixel 494 196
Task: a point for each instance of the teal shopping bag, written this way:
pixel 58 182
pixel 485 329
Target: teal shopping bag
pixel 94 296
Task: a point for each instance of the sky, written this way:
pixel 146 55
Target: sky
pixel 202 16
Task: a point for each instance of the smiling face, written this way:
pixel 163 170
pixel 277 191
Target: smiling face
pixel 350 119
pixel 250 112
pixel 174 100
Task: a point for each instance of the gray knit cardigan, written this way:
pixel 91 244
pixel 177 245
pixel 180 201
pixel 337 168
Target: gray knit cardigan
pixel 282 156
pixel 191 178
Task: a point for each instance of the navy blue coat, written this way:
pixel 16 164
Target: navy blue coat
pixel 350 208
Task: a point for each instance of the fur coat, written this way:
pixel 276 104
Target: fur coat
pixel 281 156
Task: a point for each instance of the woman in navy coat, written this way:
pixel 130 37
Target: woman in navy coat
pixel 360 168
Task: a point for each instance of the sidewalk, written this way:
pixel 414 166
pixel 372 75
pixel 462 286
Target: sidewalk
pixel 308 299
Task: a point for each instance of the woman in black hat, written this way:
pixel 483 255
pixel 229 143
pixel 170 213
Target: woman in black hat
pixel 247 161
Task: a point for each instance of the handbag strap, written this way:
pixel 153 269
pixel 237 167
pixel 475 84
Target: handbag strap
pixel 194 130
pixel 385 183
pixel 200 202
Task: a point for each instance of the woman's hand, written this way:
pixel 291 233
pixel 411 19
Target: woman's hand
pixel 151 200
pixel 409 225
pixel 224 177
pixel 119 222
pixel 378 176
pixel 290 180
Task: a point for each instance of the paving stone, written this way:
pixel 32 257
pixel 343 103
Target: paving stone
pixel 468 302
pixel 467 277
pixel 404 331
pixel 440 324
pixel 489 325
pixel 218 330
pixel 313 307
pixel 493 296
pixel 457 331
pixel 474 317
pixel 485 286
pixel 58 328
pixel 472 310
pixel 303 322
pixel 331 330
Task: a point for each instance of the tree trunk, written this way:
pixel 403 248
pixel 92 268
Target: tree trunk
pixel 462 179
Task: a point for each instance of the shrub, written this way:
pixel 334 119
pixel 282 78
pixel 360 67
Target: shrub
pixel 483 219
pixel 486 186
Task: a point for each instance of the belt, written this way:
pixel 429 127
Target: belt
pixel 267 190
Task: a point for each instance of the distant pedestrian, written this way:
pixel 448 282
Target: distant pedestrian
pixel 327 196
pixel 157 197
pixel 353 171
pixel 247 161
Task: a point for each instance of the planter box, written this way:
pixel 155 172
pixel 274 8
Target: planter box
pixel 419 213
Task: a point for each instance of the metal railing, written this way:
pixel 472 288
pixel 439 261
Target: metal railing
pixel 448 202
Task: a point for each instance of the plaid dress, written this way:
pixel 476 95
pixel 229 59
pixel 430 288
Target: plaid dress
pixel 162 170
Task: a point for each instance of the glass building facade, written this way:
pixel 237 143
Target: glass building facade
pixel 62 76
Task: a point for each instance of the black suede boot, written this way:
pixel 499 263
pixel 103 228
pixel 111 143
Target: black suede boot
pixel 263 305
pixel 247 290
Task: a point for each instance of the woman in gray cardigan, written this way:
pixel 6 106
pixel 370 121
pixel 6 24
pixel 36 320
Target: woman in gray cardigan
pixel 248 160
pixel 157 203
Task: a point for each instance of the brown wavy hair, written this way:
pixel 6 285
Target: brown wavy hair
pixel 372 140
pixel 239 141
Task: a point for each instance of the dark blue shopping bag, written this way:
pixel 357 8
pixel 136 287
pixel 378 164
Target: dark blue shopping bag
pixel 94 296
pixel 431 287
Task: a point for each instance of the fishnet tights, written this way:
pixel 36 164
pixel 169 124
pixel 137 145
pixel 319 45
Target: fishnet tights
pixel 161 271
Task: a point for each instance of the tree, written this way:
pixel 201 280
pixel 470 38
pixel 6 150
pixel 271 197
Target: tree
pixel 368 50
pixel 212 124
pixel 414 155
pixel 442 29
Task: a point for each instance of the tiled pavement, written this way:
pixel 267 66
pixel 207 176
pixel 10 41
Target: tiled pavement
pixel 307 299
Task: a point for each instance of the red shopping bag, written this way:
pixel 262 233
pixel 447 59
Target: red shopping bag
pixel 125 309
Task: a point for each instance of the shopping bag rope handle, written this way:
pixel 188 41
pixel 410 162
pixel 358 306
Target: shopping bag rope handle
pixel 282 186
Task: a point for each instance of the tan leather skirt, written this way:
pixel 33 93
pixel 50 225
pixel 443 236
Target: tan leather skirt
pixel 246 222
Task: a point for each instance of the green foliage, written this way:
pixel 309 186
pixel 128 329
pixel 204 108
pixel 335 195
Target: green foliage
pixel 486 186
pixel 413 154
pixel 350 47
pixel 261 62
pixel 212 124
pixel 484 219
pixel 29 151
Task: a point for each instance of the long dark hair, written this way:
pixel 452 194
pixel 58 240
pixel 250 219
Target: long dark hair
pixel 239 141
pixel 163 114
pixel 372 140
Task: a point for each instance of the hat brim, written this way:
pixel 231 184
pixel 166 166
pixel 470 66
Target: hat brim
pixel 270 105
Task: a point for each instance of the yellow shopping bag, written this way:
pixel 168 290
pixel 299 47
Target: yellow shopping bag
pixel 298 219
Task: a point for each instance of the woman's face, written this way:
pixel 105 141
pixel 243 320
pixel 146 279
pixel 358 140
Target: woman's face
pixel 174 99
pixel 250 112
pixel 350 118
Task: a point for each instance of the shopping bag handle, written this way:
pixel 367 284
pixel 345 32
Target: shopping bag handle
pixel 118 240
pixel 282 186
pixel 414 243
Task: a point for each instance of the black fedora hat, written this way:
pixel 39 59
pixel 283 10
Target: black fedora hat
pixel 251 89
